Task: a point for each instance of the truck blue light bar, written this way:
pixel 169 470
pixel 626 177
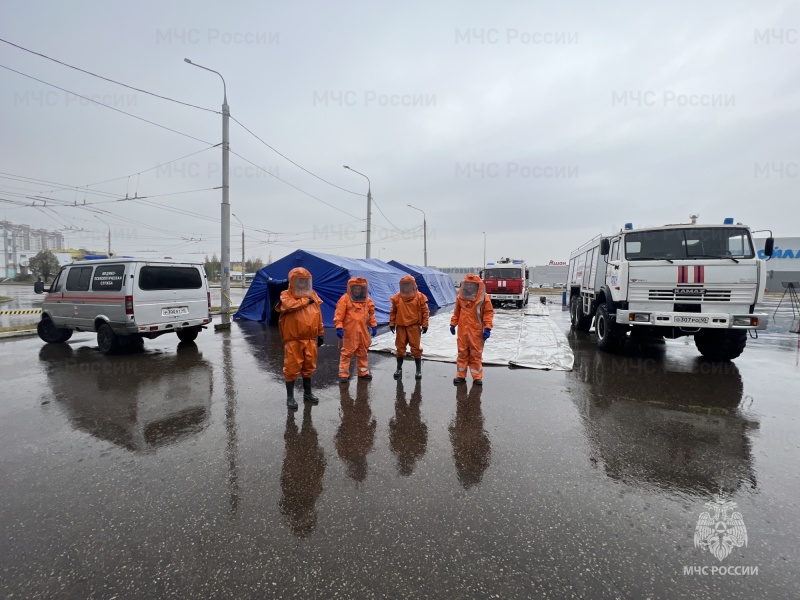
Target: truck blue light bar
pixel 728 221
pixel 628 226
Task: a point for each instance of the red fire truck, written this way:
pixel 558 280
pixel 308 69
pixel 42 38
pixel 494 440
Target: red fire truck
pixel 506 280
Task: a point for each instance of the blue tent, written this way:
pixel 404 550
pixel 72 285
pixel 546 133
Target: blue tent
pixel 330 274
pixel 437 286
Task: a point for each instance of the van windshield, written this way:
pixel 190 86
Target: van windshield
pixel 169 278
pixel 502 274
pixel 690 243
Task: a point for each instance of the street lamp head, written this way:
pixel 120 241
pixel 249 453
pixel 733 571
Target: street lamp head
pixel 345 166
pixel 187 60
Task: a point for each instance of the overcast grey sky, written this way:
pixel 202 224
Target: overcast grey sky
pixel 540 123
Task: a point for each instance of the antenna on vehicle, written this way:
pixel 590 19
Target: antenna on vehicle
pixel 694 218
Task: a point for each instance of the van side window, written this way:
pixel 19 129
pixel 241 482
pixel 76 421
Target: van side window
pixel 169 278
pixel 108 278
pixel 78 279
pixel 615 250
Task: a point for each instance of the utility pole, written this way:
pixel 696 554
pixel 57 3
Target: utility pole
pixel 109 234
pixel 225 209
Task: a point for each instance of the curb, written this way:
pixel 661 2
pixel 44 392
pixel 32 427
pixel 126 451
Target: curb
pixel 20 333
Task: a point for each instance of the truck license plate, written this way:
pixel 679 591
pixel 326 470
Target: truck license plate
pixel 170 312
pixel 691 319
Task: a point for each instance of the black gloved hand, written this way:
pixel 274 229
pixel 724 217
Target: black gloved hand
pixel 391 328
pixel 424 330
pixel 320 340
pixel 311 301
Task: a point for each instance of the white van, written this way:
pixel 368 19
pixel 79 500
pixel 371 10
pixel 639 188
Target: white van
pixel 125 300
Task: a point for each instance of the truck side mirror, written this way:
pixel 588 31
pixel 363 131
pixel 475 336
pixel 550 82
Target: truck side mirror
pixel 38 287
pixel 605 246
pixel 769 246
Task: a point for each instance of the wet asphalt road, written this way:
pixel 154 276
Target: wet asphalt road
pixel 177 473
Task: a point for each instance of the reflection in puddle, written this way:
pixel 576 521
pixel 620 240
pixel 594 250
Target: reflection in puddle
pixel 656 419
pixel 301 477
pixel 356 434
pixel 472 449
pixel 408 433
pixel 141 401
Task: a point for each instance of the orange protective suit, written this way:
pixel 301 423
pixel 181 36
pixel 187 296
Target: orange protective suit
pixel 300 324
pixel 471 316
pixel 408 314
pixel 354 312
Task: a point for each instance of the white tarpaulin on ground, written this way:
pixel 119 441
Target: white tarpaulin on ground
pixel 523 338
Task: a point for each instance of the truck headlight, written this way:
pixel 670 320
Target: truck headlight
pixel 639 317
pixel 746 321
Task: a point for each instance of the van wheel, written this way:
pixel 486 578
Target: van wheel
pixel 107 340
pixel 609 336
pixel 50 333
pixel 136 342
pixel 721 344
pixel 187 335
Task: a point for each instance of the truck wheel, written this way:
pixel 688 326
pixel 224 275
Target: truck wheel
pixel 187 335
pixel 519 303
pixel 721 344
pixel 50 333
pixel 107 340
pixel 609 336
pixel 579 321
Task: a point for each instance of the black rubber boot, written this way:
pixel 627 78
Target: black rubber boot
pixel 308 395
pixel 291 403
pixel 459 380
pixel 418 363
pixel 477 382
pixel 399 373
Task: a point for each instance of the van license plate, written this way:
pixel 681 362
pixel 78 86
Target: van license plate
pixel 691 319
pixel 169 312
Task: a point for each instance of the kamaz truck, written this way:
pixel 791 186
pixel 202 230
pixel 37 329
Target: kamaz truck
pixel 668 282
pixel 506 280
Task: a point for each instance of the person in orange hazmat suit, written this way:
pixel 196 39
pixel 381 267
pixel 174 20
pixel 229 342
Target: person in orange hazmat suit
pixel 302 332
pixel 473 315
pixel 354 320
pixel 407 318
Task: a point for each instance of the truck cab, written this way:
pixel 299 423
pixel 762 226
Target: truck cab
pixel 506 281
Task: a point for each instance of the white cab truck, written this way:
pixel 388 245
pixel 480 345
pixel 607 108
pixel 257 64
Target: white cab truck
pixel 668 282
pixel 125 300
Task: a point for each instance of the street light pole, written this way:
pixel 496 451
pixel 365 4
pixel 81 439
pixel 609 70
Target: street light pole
pixel 109 234
pixel 484 250
pixel 225 259
pixel 244 271
pixel 424 232
pixel 369 209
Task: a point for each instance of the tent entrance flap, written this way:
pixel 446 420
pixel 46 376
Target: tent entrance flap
pixel 274 289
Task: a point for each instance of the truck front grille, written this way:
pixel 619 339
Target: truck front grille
pixel 669 295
